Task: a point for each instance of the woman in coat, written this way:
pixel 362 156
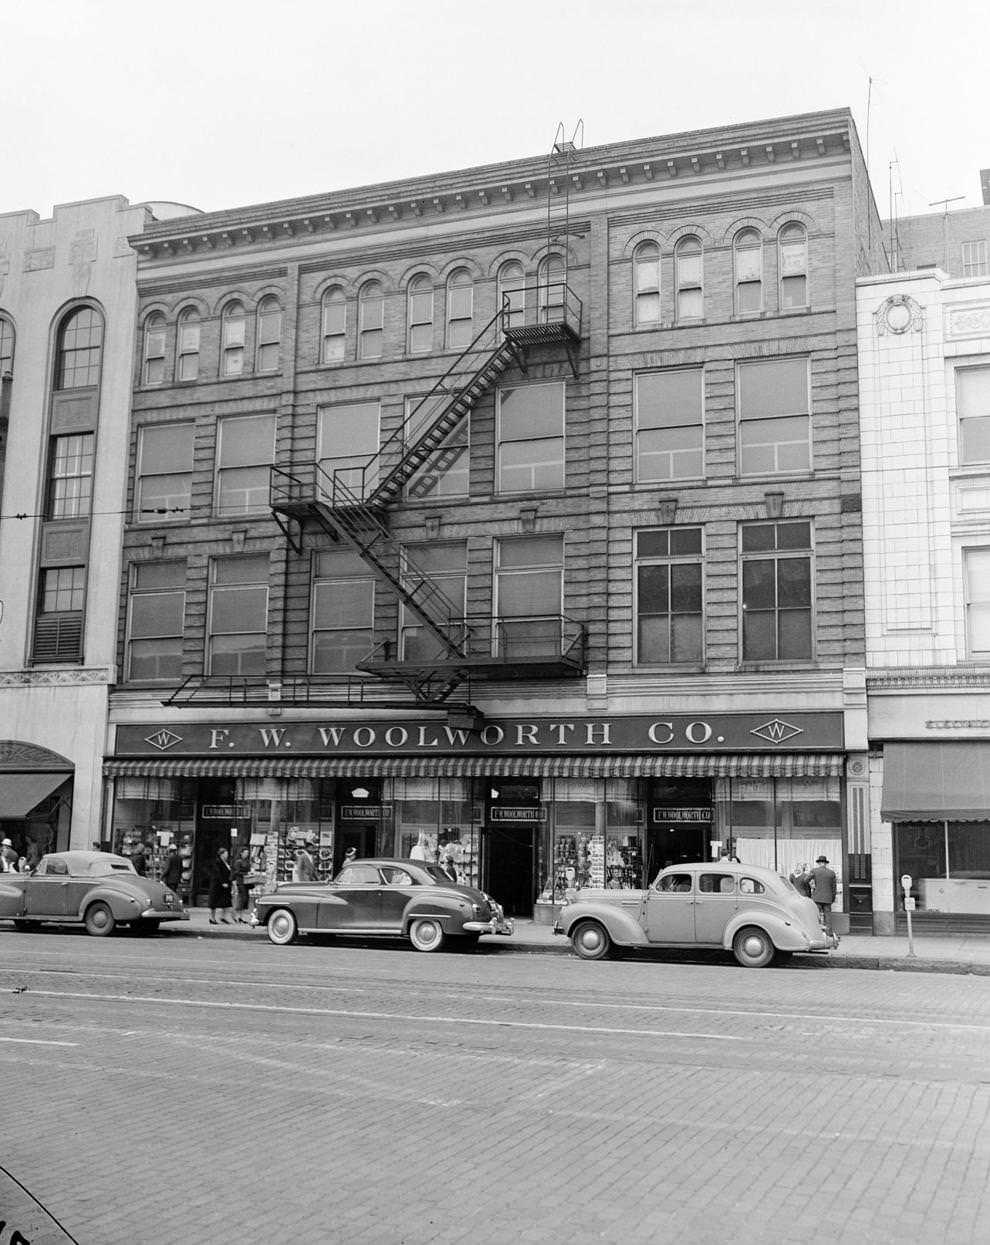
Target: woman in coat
pixel 220 889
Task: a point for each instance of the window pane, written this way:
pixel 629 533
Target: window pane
pixel 157 614
pixel 343 603
pixel 240 570
pixel 529 466
pixel 526 593
pixel 653 641
pixel 159 659
pixel 687 637
pixel 759 585
pixel 531 411
pixel 237 655
pixel 665 399
pixel 159 574
pixel 653 594
pixel 239 609
pixel 795 635
pixel 536 551
pixel 775 387
pixel 248 440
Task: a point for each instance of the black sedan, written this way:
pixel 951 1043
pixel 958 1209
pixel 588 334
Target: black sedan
pixel 382 898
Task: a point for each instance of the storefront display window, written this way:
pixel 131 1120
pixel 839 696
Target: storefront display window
pixel 782 823
pixel 152 816
pixel 435 819
pixel 592 837
pixel 949 863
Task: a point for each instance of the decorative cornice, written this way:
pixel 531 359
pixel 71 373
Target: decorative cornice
pixel 919 678
pixel 56 678
pixel 711 152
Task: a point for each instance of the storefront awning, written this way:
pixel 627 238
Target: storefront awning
pixel 20 793
pixel 639 765
pixel 936 782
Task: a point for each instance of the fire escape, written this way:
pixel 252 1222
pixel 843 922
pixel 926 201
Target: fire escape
pixel 351 505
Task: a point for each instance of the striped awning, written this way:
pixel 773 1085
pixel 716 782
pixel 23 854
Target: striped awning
pixel 616 765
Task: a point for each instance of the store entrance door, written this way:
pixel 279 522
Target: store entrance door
pixel 510 862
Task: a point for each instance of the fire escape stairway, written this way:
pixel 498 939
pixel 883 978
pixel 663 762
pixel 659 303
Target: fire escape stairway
pixel 350 505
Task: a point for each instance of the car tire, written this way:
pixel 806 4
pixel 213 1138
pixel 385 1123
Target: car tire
pixel 426 934
pixel 591 941
pixel 282 927
pixel 753 947
pixel 100 921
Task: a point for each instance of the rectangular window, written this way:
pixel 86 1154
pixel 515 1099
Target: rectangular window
pixel 976 574
pixel 347 439
pixel 342 613
pixel 669 414
pixel 445 566
pixel 975 259
pixel 238 616
pixel 245 453
pixel 973 409
pixel 774 416
pixel 460 315
pixel 58 626
pixel 164 474
pixel 669 596
pixel 446 471
pixel 71 478
pixel 531 438
pixel 156 618
pixel 334 326
pixel 187 364
pixel 529 590
pixel 776 591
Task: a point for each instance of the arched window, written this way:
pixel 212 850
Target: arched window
pixel 154 349
pixel 460 309
pixel 688 272
pixel 6 347
pixel 334 327
pixel 792 245
pixel 420 314
pixel 512 294
pixel 747 250
pixel 646 284
pixel 232 324
pixel 550 290
pixel 79 349
pixel 187 350
pixel 371 320
pixel 269 335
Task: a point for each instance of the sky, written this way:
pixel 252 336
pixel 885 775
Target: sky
pixel 222 105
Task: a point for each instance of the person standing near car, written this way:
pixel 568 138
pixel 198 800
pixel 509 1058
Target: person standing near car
pixel 8 857
pixel 172 877
pixel 800 880
pixel 239 871
pixel 823 890
pixel 219 897
pixel 303 870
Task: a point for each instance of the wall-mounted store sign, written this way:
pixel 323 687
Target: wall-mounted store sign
pixel 225 812
pixel 728 732
pixel 517 814
pixel 364 812
pixel 661 815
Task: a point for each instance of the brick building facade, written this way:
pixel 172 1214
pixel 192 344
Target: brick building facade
pixel 512 512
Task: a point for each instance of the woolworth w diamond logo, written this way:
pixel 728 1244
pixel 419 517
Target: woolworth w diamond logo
pixel 776 731
pixel 163 739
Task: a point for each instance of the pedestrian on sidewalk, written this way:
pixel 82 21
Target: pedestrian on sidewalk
pixel 304 869
pixel 219 897
pixel 823 891
pixel 800 879
pixel 172 877
pixel 239 886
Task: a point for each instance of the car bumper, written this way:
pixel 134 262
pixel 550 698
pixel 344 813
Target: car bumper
pixel 163 914
pixel 497 925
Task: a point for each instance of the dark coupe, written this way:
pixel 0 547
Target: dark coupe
pixel 382 898
pixel 94 889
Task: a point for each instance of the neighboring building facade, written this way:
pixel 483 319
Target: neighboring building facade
pixel 925 397
pixel 67 308
pixel 512 512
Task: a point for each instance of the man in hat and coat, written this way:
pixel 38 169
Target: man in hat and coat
pixel 823 890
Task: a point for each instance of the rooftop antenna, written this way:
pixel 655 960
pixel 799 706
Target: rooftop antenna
pixel 944 204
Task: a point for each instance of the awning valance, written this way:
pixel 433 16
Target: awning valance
pixel 20 793
pixel 936 782
pixel 639 765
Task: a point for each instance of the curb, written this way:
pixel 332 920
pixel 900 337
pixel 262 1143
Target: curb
pixel 882 963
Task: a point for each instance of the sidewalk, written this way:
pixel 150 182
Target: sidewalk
pixel 931 955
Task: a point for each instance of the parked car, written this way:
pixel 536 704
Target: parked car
pixel 94 889
pixel 754 912
pixel 382 898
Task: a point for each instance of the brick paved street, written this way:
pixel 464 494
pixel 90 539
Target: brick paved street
pixel 158 1091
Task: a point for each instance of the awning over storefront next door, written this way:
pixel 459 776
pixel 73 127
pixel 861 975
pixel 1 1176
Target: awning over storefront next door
pixel 936 782
pixel 20 793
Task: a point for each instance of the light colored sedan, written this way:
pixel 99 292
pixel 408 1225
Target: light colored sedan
pixel 753 912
